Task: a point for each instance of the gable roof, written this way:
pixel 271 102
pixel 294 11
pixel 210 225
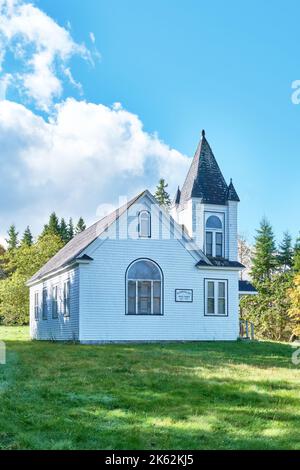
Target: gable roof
pixel 205 180
pixel 72 250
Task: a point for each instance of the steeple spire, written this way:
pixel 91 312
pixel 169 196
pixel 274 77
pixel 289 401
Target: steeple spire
pixel 204 179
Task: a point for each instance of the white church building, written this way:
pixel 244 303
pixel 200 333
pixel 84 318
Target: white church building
pixel 143 274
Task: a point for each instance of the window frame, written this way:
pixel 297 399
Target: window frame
pixel 45 307
pixel 67 300
pixel 216 282
pixel 54 302
pixel 214 232
pixel 136 281
pixel 140 216
pixel 36 305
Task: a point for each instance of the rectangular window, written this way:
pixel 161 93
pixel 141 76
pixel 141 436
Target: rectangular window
pixel 45 304
pixel 221 298
pixel 219 244
pixel 209 243
pixel 210 297
pixel 36 305
pixel 132 297
pixel 144 297
pixel 157 297
pixel 66 298
pixel 54 302
pixel 215 297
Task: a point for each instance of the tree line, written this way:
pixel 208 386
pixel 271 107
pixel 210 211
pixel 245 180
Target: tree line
pixel 23 257
pixel 275 272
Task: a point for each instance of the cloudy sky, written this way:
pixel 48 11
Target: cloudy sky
pixel 101 98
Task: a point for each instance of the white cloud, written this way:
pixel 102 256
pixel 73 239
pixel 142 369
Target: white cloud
pixel 84 156
pixel 38 43
pixel 92 37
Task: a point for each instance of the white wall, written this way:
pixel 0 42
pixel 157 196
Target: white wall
pixel 62 328
pixel 103 291
pixel 193 216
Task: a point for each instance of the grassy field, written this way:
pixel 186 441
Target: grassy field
pixel 179 396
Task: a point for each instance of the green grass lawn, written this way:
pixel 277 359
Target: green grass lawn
pixel 239 395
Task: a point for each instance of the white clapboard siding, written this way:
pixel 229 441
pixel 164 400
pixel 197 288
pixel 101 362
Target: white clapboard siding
pixel 62 328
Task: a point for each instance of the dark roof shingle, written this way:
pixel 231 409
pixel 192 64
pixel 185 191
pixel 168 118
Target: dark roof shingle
pixel 204 179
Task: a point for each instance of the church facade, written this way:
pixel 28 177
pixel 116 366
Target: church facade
pixel 145 274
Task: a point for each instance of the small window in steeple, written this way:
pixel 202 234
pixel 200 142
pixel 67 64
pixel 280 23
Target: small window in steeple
pixel 214 237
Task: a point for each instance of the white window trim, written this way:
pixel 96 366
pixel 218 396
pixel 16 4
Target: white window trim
pixel 216 297
pixel 214 231
pixel 36 306
pixel 67 300
pixel 55 286
pixel 142 215
pixel 161 280
pixel 45 308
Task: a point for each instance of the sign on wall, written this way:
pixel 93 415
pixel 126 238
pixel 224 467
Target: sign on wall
pixel 184 295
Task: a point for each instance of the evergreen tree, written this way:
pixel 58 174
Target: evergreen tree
pixel 161 195
pixel 27 238
pixel 63 231
pixel 80 227
pixel 264 260
pixel 294 311
pixel 70 229
pixel 12 240
pixel 285 253
pixel 53 226
pixel 296 257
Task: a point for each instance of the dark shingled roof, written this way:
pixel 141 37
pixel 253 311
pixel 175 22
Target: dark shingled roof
pixel 71 251
pixel 221 262
pixel 177 196
pixel 246 286
pixel 232 194
pixel 205 180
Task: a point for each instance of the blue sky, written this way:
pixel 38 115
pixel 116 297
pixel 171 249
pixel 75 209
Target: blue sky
pixel 179 66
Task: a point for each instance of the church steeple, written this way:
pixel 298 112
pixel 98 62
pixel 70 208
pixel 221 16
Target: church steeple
pixel 232 194
pixel 205 180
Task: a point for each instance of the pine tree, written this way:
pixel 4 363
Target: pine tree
pixel 294 311
pixel 53 226
pixel 63 231
pixel 27 238
pixel 264 260
pixel 12 240
pixel 70 229
pixel 80 227
pixel 285 253
pixel 296 256
pixel 161 195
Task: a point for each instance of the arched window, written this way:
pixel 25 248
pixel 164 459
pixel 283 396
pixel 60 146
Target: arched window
pixel 144 224
pixel 213 222
pixel 214 236
pixel 144 288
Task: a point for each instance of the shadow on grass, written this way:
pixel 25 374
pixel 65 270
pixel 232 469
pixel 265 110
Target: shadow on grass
pixel 174 395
